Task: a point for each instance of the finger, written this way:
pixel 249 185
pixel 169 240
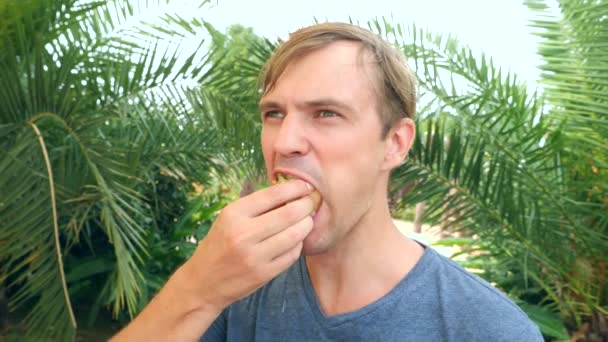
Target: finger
pixel 272 197
pixel 281 218
pixel 287 239
pixel 282 262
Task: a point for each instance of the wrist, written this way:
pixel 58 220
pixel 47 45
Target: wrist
pixel 188 287
pixel 181 311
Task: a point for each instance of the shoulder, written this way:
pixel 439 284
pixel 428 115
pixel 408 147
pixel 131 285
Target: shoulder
pixel 471 289
pixel 472 305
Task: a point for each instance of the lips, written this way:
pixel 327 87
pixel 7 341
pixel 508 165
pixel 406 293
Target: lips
pixel 316 197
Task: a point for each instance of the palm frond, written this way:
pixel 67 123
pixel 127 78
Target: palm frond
pixel 33 255
pixel 487 153
pixel 111 111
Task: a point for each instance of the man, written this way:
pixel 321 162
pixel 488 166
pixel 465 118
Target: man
pixel 337 111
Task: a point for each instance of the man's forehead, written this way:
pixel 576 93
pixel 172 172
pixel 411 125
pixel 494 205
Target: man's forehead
pixel 346 54
pixel 337 69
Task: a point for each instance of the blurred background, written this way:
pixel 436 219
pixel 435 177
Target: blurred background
pixel 125 126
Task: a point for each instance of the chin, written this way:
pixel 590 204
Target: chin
pixel 317 242
pixel 313 250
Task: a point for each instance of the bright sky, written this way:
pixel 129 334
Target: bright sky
pixel 498 28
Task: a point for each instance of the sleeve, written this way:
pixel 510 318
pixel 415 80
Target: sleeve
pixel 528 331
pixel 533 334
pixel 217 330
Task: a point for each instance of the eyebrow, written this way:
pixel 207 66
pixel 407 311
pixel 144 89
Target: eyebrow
pixel 268 104
pixel 322 102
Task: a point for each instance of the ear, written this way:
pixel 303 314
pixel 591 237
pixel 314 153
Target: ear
pixel 398 143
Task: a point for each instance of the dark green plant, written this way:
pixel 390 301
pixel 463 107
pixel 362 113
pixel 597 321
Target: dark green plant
pixel 187 221
pixel 89 117
pixel 90 110
pixel 515 165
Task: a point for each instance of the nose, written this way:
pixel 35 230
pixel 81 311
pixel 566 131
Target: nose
pixel 291 140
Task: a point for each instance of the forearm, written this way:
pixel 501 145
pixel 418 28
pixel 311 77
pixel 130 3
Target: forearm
pixel 174 314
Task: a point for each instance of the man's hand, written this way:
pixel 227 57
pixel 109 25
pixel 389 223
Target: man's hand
pixel 253 240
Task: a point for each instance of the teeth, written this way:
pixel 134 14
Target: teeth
pixel 280 178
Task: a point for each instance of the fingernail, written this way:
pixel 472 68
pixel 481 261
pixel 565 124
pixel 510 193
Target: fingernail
pixel 308 186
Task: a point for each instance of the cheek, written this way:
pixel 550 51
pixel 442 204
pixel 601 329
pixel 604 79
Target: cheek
pixel 267 143
pixel 357 153
pixel 355 173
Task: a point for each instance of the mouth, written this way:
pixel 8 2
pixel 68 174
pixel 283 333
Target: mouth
pixel 282 177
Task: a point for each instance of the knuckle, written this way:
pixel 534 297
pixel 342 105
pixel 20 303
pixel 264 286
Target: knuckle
pixel 290 213
pixel 258 274
pixel 250 262
pixel 228 213
pixel 294 234
pixel 235 247
pixel 235 241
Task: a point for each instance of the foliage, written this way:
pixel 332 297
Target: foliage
pixel 105 127
pixel 575 83
pixel 234 84
pixel 171 243
pixel 515 165
pixel 92 110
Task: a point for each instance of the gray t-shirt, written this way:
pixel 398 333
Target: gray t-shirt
pixel 437 301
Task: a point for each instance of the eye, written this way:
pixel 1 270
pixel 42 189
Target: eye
pixel 273 114
pixel 327 114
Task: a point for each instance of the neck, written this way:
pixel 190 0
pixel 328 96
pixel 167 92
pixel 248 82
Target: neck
pixel 365 266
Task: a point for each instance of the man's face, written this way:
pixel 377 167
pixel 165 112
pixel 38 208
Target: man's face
pixel 320 123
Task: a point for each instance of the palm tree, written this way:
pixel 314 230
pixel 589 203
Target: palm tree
pixel 525 171
pixel 576 82
pixel 92 109
pixel 89 119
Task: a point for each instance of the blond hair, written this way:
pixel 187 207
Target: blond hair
pixel 394 81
